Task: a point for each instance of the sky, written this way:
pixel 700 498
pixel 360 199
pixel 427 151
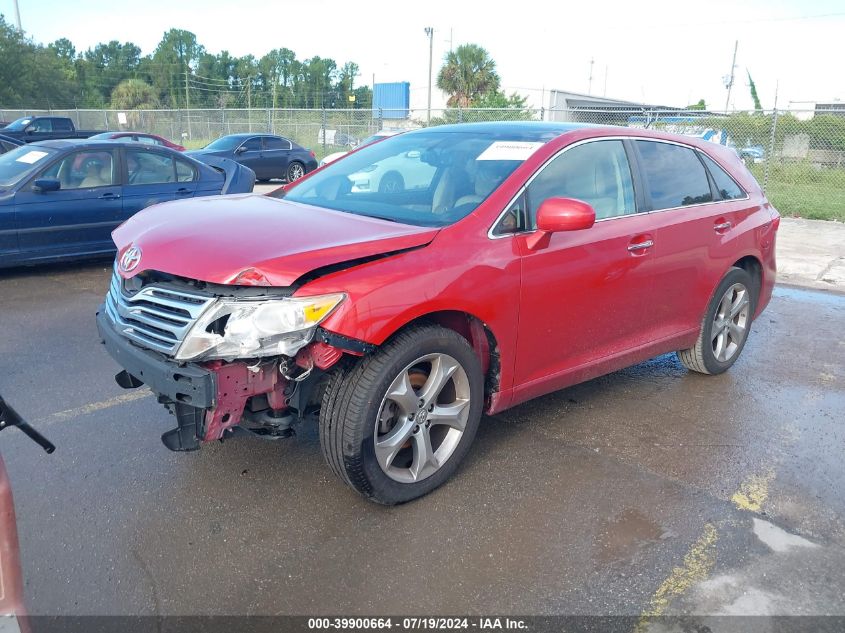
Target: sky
pixel 664 52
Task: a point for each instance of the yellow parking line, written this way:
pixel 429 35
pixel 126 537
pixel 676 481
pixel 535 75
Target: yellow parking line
pixel 69 414
pixel 698 562
pixel 753 492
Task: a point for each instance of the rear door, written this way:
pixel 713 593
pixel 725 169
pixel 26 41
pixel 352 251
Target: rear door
pixel 697 226
pixel 80 216
pixel 154 176
pixel 277 155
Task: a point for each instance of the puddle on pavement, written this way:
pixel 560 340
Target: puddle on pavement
pixel 624 536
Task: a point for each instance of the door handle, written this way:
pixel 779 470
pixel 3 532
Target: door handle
pixel 639 246
pixel 110 196
pixel 183 191
pixel 721 227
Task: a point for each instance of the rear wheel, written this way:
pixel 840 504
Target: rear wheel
pixel 295 171
pixel 395 425
pixel 725 327
pixel 392 182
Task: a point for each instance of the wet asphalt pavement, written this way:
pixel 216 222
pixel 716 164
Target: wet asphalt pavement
pixel 648 491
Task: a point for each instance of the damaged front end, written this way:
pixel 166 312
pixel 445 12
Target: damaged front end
pixel 222 359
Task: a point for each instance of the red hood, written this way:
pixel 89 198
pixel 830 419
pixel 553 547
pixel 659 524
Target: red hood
pixel 215 239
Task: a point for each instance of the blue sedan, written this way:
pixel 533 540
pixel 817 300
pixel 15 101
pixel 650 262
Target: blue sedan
pixel 269 156
pixel 62 199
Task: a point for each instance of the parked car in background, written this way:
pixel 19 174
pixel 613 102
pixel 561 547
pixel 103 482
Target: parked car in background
pixel 31 129
pixel 752 154
pixel 378 136
pixel 61 199
pixel 538 255
pixel 269 156
pixel 8 143
pixel 139 137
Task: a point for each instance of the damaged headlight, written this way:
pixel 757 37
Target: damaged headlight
pixel 250 329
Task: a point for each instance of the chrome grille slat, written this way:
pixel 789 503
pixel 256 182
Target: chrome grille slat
pixel 155 317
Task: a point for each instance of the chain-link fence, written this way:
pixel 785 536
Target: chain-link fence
pixel 797 156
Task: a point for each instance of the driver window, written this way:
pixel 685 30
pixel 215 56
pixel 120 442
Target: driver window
pixel 83 170
pixel 597 173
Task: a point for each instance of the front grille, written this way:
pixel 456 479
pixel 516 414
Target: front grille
pixel 155 316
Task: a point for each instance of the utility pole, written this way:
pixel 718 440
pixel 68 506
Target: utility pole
pixel 18 16
pixel 430 32
pixel 590 85
pixel 730 79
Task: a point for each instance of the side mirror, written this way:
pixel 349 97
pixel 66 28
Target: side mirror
pixel 45 185
pixel 556 215
pixel 413 154
pixel 240 150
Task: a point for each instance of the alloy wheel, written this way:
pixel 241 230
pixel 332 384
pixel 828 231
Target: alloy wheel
pixel 730 322
pixel 422 418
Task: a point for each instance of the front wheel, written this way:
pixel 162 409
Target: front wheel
pixel 725 327
pixel 295 172
pixel 395 425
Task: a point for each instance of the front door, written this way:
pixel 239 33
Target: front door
pixel 251 154
pixel 586 295
pixel 80 216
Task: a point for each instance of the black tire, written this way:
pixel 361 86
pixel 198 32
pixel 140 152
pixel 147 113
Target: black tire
pixel 262 180
pixel 702 356
pixel 295 171
pixel 391 182
pixel 353 402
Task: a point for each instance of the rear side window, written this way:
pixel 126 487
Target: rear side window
pixel 148 168
pixel 252 144
pixel 728 189
pixel 185 172
pixel 674 175
pixel 276 143
pixel 62 125
pixel 597 173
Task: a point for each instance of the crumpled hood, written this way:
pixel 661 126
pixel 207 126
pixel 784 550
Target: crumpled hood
pixel 216 238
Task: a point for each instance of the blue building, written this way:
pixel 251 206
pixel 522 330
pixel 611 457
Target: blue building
pixel 393 99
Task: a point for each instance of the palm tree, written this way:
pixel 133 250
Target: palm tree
pixel 468 74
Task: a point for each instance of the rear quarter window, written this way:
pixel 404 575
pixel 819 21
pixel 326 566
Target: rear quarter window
pixel 727 187
pixel 674 175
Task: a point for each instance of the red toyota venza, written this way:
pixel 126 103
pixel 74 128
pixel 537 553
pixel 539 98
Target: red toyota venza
pixel 508 260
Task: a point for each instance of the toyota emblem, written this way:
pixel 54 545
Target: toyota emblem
pixel 130 259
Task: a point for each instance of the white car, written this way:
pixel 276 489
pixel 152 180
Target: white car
pixel 403 172
pixel 370 139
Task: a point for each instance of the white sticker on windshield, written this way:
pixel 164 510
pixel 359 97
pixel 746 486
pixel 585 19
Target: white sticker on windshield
pixel 31 157
pixel 509 150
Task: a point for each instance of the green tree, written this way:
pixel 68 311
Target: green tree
pixel 701 105
pixel 134 94
pixel 468 73
pixel 31 75
pixel 753 90
pixel 176 54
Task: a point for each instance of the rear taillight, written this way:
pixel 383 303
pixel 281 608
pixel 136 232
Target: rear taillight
pixel 313 155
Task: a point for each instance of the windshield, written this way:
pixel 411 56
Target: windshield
pixel 21 162
pixel 19 124
pixel 428 178
pixel 226 142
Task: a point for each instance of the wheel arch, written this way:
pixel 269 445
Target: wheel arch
pixel 477 333
pixel 754 267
